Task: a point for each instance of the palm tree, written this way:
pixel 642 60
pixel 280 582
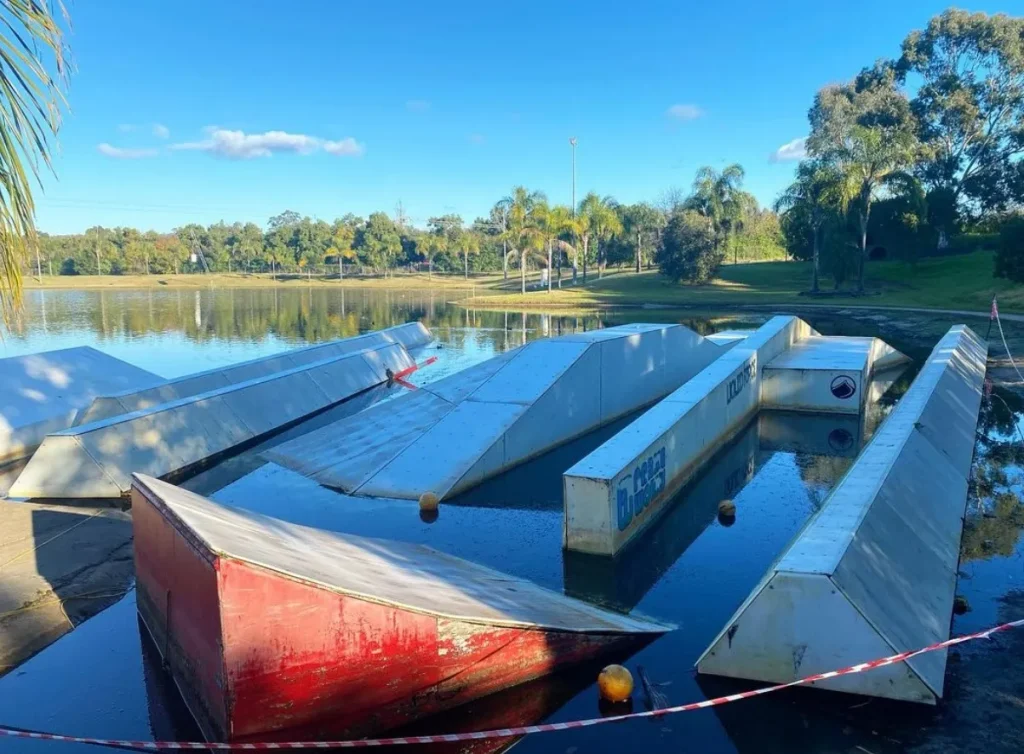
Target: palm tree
pixel 719 198
pixel 869 159
pixel 597 221
pixel 30 103
pixel 470 244
pixel 608 224
pixel 341 245
pixel 499 219
pixel 817 190
pixel 429 245
pixel 523 234
pixel 556 221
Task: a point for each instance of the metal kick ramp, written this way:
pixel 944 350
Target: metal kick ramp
pixel 874 571
pixel 411 335
pixel 96 460
pixel 621 487
pixel 452 434
pixel 44 392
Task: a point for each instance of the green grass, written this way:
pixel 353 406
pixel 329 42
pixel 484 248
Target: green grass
pixel 954 282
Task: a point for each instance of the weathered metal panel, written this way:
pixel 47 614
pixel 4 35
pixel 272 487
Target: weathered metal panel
pixel 511 408
pixel 438 458
pixel 828 374
pixel 821 631
pixel 339 380
pixel 530 372
pixel 566 409
pixel 636 471
pixel 347 453
pixel 317 631
pixel 413 334
pixel 263 405
pixel 886 541
pixel 44 392
pixel 459 386
pixel 171 437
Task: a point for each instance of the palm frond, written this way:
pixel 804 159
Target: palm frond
pixel 31 99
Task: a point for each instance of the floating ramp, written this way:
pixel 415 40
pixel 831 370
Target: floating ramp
pixel 616 491
pixel 44 392
pixel 873 573
pixel 96 460
pixel 410 335
pixel 456 432
pixel 274 629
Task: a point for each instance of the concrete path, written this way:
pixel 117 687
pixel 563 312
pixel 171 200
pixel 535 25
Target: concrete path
pixel 58 566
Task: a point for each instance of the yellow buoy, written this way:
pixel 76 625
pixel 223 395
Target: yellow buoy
pixel 615 683
pixel 428 501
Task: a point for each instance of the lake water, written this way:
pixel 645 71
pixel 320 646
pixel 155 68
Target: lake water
pixel 691 569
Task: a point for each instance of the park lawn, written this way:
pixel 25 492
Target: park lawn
pixel 952 282
pixel 402 281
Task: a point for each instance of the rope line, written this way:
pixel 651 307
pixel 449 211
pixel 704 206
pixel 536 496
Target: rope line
pixel 501 732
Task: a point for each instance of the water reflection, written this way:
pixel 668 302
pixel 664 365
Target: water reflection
pixel 173 332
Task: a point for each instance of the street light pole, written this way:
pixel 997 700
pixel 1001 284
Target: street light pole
pixel 572 143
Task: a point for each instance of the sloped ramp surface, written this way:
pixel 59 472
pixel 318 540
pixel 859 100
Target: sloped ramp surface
pixel 874 571
pixel 44 392
pixel 410 335
pixel 96 460
pixel 454 433
pixel 399 573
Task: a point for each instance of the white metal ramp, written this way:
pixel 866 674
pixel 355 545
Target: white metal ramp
pixel 411 335
pixel 96 460
pixel 453 434
pixel 619 489
pixel 44 392
pixel 873 573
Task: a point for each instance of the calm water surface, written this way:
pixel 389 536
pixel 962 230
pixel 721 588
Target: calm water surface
pixel 690 570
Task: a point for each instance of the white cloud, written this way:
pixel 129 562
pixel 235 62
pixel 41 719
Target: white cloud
pixel 476 139
pixel 126 127
pixel 417 105
pixel 684 112
pixel 239 145
pixel 122 153
pixel 793 150
pixel 161 131
pixel 347 147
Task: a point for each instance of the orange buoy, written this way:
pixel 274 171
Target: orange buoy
pixel 615 683
pixel 428 501
pixel 727 508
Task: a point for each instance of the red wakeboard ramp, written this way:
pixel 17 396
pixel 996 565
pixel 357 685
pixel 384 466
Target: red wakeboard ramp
pixel 273 630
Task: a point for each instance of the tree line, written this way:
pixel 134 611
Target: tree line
pixel 522 231
pixel 914 152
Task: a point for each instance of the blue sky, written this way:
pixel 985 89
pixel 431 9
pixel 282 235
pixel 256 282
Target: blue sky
pixel 222 109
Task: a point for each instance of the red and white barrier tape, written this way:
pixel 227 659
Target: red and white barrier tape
pixel 502 732
pixel 398 376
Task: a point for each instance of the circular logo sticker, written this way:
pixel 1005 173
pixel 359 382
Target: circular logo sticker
pixel 843 387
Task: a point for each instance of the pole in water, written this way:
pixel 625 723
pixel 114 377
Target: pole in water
pixel 992 314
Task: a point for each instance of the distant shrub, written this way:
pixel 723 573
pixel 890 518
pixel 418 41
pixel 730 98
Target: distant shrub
pixel 688 250
pixel 967 243
pixel 1010 252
